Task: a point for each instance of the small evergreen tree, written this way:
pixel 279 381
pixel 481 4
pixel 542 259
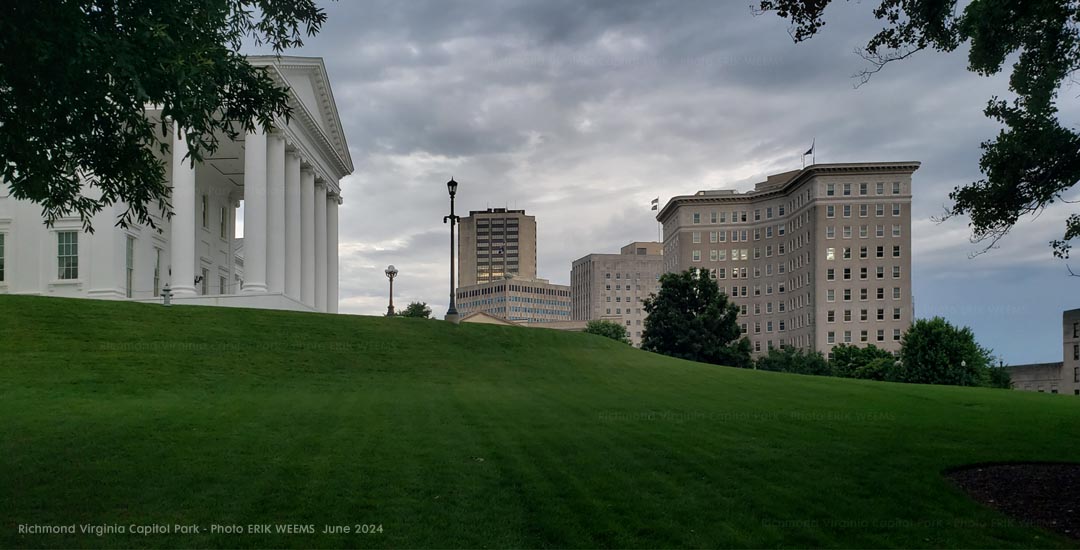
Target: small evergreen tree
pixel 419 310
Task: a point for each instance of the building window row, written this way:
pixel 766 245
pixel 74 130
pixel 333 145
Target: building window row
pixel 845 252
pixel 862 188
pixel 830 294
pixel 830 231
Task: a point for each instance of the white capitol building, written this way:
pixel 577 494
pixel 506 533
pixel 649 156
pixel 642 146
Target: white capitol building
pixel 289 179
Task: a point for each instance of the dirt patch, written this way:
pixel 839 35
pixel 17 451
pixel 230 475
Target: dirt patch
pixel 1042 493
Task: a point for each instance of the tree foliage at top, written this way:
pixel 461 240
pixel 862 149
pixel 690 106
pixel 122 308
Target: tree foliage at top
pixel 76 76
pixel 608 329
pixel 1034 159
pixel 847 360
pixel 419 310
pixel 798 361
pixel 933 351
pixel 690 318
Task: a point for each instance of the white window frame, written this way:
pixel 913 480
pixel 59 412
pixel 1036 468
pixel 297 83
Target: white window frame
pixel 129 265
pixel 157 271
pixel 56 241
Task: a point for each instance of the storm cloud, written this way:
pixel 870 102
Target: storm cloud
pixel 582 112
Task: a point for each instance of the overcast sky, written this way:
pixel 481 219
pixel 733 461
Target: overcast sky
pixel 582 112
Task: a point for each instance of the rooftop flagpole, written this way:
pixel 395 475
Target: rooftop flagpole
pixel 811 151
pixel 656 207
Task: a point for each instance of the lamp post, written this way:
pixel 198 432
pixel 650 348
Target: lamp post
pixel 451 312
pixel 391 272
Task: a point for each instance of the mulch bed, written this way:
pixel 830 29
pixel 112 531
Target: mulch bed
pixel 1043 494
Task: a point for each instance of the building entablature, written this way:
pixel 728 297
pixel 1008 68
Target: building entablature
pixel 780 188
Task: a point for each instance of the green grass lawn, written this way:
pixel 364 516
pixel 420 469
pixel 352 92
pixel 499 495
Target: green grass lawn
pixel 475 436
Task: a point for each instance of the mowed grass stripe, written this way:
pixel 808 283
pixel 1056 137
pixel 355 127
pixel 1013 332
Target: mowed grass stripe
pixel 133 413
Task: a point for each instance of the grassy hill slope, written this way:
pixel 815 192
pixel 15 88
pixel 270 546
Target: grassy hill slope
pixel 471 435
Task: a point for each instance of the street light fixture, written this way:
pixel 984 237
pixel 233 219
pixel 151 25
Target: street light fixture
pixel 391 272
pixel 451 312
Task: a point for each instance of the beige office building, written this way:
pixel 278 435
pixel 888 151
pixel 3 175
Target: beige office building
pixel 524 301
pixel 1063 377
pixel 813 257
pixel 496 243
pixel 614 286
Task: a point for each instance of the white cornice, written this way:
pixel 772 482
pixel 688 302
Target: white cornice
pixel 330 141
pixel 804 175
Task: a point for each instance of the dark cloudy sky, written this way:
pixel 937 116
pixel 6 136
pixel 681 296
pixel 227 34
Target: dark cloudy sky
pixel 582 112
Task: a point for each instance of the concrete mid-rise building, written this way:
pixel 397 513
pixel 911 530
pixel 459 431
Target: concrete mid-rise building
pixel 523 301
pixel 813 258
pixel 1063 377
pixel 614 286
pixel 494 244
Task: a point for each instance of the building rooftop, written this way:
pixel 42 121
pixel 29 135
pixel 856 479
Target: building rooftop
pixel 1057 365
pixel 779 182
pixel 495 211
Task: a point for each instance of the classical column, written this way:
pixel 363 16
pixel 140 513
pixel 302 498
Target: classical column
pixel 307 236
pixel 230 257
pixel 275 213
pixel 292 225
pixel 320 246
pixel 332 202
pixel 182 230
pixel 255 212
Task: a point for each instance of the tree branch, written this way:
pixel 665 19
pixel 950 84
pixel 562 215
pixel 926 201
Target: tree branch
pixel 879 60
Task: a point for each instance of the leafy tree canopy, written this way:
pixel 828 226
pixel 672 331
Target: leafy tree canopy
pixel 998 377
pixel 1034 160
pixel 847 359
pixel 76 76
pixel 789 359
pixel 608 329
pixel 418 310
pixel 933 351
pixel 878 368
pixel 690 318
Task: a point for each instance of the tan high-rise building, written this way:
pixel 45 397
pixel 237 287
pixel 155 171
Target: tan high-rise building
pixel 813 257
pixel 496 243
pixel 614 286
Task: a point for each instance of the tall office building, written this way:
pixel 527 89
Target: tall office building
pixel 497 270
pixel 496 243
pixel 813 257
pixel 613 286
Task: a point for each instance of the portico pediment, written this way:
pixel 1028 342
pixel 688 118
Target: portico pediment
pixel 313 103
